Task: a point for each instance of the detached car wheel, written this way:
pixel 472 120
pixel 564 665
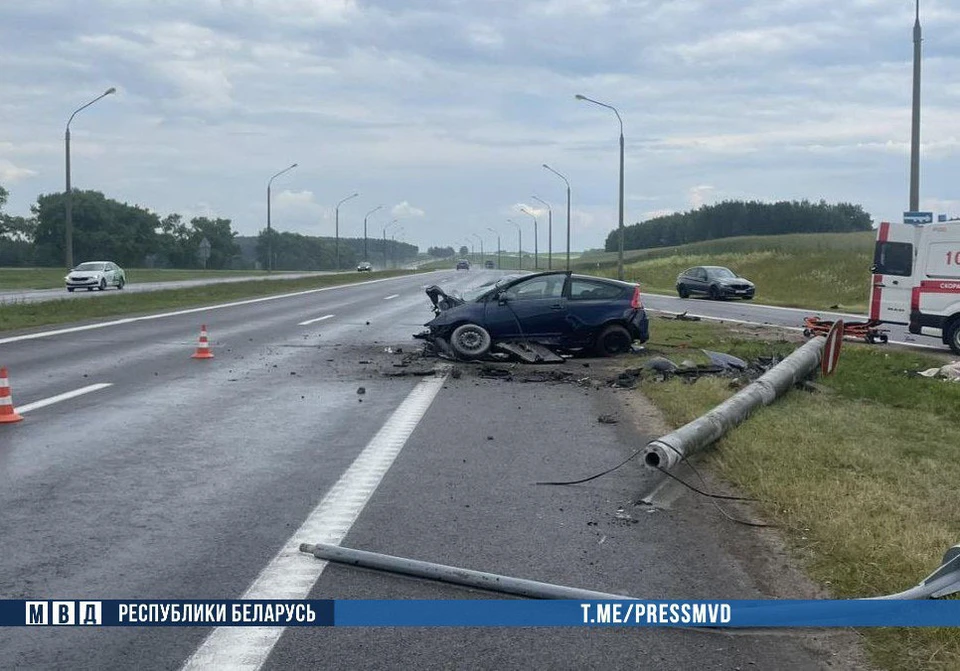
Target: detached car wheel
pixel 614 339
pixel 470 341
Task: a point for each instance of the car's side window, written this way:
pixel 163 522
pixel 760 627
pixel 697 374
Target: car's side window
pixel 585 290
pixel 538 287
pixel 701 274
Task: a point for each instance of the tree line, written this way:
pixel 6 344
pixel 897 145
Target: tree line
pixel 735 218
pixel 133 236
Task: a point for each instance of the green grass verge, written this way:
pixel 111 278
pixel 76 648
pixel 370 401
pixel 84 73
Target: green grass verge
pixel 52 278
pixel 862 480
pixel 15 316
pixel 815 271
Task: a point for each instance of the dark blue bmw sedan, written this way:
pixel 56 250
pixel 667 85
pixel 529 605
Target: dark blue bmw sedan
pixel 557 309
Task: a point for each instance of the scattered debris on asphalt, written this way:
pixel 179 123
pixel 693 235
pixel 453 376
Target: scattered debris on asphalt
pixel 607 419
pixel 361 390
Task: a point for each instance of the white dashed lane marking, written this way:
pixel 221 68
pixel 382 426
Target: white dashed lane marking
pixel 314 321
pixel 63 397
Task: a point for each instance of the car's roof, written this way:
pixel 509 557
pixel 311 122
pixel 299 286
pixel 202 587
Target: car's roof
pixel 578 276
pixel 716 268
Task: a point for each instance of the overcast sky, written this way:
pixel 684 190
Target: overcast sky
pixel 443 111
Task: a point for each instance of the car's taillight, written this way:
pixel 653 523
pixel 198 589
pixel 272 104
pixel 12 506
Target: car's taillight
pixel 635 301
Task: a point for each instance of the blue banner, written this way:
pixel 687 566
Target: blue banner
pixel 479 613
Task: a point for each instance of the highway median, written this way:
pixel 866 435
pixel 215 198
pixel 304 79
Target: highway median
pixel 23 315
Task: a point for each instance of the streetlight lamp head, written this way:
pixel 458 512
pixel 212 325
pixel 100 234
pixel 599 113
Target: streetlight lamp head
pixel 294 165
pixel 546 166
pixel 580 97
pixel 109 91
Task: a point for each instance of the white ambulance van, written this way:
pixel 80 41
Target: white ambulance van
pixel 916 279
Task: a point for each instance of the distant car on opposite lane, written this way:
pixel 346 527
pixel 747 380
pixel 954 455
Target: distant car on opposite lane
pixel 490 265
pixel 715 282
pixel 463 264
pixel 95 275
pixel 364 267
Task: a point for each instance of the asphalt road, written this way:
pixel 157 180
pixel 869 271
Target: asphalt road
pixel 41 295
pixel 751 312
pixel 188 479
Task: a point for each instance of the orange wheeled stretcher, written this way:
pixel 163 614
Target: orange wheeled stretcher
pixel 869 331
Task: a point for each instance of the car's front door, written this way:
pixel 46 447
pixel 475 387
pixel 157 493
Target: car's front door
pixel 699 283
pixel 530 308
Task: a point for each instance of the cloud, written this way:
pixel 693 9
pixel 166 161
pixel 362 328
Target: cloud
pixel 405 209
pixel 700 195
pixel 12 174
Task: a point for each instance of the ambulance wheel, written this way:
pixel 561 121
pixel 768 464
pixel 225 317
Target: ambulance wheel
pixel 953 336
pixel 883 338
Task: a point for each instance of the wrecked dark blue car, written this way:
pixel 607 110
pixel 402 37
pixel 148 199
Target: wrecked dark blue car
pixel 556 310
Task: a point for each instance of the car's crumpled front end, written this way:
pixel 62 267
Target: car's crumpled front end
pixel 441 299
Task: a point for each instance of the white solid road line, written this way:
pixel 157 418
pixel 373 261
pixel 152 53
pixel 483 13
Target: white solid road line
pixel 131 320
pixel 314 321
pixel 292 574
pixel 63 397
pixel 391 297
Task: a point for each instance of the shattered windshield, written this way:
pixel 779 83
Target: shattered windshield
pixel 473 293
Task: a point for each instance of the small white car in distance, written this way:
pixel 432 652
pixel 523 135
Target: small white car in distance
pixel 95 275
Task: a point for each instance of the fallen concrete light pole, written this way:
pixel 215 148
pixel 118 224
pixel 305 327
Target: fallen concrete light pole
pixel 667 451
pixel 454 575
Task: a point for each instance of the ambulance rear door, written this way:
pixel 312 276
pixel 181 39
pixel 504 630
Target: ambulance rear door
pixel 893 267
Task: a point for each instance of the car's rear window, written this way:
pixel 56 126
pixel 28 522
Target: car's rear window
pixel 586 290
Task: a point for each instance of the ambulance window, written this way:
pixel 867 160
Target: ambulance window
pixel 893 258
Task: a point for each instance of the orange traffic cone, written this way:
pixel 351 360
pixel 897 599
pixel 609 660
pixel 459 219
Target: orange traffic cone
pixel 7 414
pixel 203 349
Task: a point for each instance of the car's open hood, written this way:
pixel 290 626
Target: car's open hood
pixel 441 299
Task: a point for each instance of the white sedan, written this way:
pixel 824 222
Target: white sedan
pixel 95 275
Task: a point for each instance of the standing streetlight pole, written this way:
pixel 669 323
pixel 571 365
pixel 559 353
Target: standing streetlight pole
pixel 269 233
pixel 536 262
pixel 365 230
pixel 568 209
pixel 68 221
pixel 498 245
pixel 519 244
pixel 915 126
pixel 549 232
pixel 620 245
pixel 336 230
pixel 384 239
